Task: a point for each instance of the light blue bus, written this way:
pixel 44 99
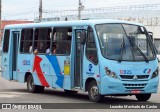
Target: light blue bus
pixel 101 57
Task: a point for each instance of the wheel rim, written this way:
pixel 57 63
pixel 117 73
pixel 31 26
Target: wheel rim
pixel 94 92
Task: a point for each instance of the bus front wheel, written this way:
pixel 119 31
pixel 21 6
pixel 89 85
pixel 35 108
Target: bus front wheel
pixel 143 97
pixel 32 87
pixel 93 92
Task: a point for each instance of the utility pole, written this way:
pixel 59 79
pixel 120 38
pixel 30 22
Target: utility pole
pixel 0 19
pixel 80 8
pixel 40 10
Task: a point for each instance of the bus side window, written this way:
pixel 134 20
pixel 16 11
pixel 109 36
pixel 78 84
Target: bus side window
pixel 42 40
pixel 26 40
pixel 91 51
pixel 6 41
pixel 61 42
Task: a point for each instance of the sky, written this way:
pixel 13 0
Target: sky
pixel 26 9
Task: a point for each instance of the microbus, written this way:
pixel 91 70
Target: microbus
pixel 101 57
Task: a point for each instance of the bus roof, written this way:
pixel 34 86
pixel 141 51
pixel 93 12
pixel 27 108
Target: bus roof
pixel 69 23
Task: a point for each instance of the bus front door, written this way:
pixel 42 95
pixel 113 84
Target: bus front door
pixel 78 60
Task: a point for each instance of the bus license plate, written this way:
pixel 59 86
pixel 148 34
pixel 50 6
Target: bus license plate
pixel 135 91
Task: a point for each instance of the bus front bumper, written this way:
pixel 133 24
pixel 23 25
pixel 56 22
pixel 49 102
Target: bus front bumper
pixel 110 86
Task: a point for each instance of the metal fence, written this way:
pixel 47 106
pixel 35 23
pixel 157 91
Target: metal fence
pixel 147 14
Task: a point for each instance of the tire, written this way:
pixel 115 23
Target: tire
pixel 70 92
pixel 93 92
pixel 33 88
pixel 143 97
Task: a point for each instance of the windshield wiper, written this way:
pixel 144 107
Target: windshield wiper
pixel 134 45
pixel 122 49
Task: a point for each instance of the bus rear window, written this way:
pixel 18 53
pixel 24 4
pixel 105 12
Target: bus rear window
pixel 6 41
pixel 26 41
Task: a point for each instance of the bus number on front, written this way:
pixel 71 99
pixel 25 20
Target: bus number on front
pixel 125 72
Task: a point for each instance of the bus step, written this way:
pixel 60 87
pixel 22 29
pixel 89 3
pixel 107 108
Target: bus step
pixel 77 88
pixel 14 80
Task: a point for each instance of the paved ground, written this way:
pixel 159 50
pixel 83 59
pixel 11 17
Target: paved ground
pixel 13 92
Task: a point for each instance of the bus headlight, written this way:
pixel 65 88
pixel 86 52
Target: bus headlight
pixel 110 73
pixel 155 74
pixel 113 75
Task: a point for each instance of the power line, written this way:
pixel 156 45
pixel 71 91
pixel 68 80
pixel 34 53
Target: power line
pixel 14 11
pixel 29 13
pixel 18 13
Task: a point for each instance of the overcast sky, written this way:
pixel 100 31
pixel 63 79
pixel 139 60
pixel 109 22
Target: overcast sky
pixel 25 9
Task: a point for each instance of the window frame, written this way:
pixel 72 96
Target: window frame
pixel 34 41
pixel 52 40
pixel 5 52
pixel 24 41
pixel 95 46
pixel 148 38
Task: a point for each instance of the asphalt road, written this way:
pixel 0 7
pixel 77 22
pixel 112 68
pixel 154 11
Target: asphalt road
pixel 14 92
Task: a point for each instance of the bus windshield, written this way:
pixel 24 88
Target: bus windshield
pixel 124 42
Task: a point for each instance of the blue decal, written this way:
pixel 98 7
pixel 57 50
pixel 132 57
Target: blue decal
pixel 90 70
pixel 90 67
pixel 145 70
pixel 53 60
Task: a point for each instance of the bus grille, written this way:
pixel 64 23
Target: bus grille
pixel 135 86
pixel 131 77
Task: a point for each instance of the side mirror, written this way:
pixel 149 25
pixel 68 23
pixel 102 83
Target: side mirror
pixel 151 35
pixel 83 37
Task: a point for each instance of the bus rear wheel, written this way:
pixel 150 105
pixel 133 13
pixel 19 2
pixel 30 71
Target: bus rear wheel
pixel 93 92
pixel 143 97
pixel 31 87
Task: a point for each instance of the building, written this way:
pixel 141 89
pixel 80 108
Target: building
pixel 9 22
